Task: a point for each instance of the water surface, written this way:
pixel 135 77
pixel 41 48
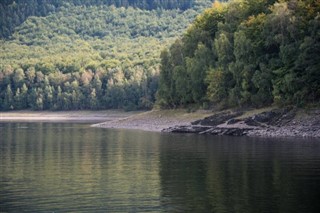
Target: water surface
pixel 67 167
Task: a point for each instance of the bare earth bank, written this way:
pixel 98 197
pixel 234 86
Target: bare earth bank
pixel 155 120
pixel 267 122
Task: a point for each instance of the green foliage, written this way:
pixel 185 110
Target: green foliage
pixel 187 63
pixel 15 12
pixel 86 54
pixel 256 53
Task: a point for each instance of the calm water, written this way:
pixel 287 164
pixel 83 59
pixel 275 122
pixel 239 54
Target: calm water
pixel 52 167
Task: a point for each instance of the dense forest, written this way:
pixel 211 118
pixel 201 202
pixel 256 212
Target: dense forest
pixel 87 54
pixel 94 54
pixel 246 53
pixel 15 12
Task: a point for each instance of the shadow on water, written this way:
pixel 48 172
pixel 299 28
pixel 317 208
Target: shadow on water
pixel 70 167
pixel 230 174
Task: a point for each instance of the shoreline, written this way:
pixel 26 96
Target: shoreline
pixel 63 116
pixel 151 121
pixel 270 122
pixel 154 120
pixel 267 122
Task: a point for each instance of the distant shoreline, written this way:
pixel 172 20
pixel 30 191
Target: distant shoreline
pixel 37 116
pixel 155 120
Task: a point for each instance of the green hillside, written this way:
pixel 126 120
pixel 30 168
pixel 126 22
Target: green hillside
pixel 246 53
pixel 15 12
pixel 87 54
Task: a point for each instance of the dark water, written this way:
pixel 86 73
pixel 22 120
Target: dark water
pixel 52 167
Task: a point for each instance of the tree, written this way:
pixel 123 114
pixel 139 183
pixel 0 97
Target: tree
pixel 165 91
pixel 182 86
pixel 48 98
pixel 75 100
pixel 24 96
pixel 31 74
pixel 39 102
pixel 97 85
pixel 93 99
pixel 8 103
pixel 197 68
pixel 59 99
pixel 216 80
pixel 18 77
pixel 17 99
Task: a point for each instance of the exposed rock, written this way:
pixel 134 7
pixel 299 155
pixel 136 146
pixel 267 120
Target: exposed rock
pixel 233 121
pixel 226 131
pixel 273 123
pixel 252 122
pixel 209 130
pixel 276 117
pixel 187 129
pixel 217 119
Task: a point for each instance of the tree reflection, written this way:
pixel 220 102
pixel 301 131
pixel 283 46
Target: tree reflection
pixel 212 174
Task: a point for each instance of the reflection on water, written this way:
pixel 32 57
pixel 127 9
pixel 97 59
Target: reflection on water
pixel 212 174
pixel 52 167
pixel 74 167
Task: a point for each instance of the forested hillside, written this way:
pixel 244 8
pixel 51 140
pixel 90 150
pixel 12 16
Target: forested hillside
pixel 246 53
pixel 82 54
pixel 15 12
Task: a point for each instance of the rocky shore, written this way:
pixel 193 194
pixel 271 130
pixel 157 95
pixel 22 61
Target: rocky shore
pixel 286 122
pixel 268 122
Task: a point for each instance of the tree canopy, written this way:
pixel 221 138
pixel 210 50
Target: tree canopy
pixel 87 54
pixel 246 53
pixel 15 12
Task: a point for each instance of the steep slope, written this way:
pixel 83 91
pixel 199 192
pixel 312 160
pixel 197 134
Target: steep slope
pixel 89 57
pixel 246 53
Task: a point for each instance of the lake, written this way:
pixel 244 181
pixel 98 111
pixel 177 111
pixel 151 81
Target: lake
pixel 71 167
